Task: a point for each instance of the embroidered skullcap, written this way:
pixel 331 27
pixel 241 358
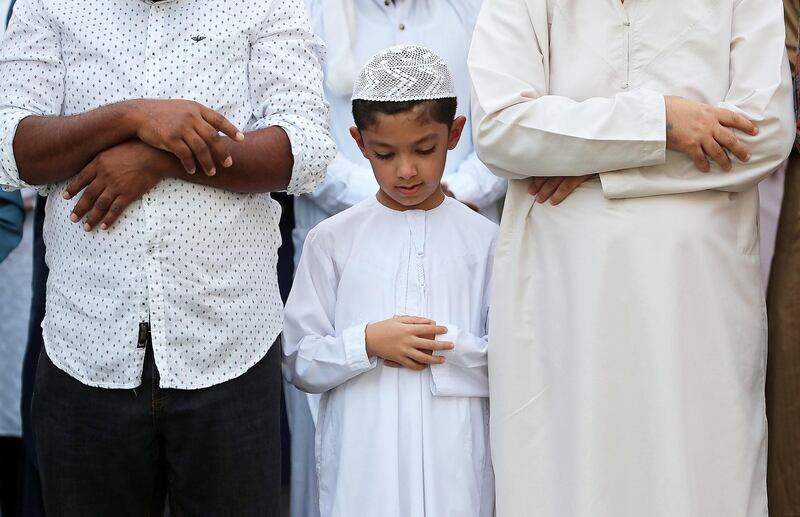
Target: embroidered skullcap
pixel 404 73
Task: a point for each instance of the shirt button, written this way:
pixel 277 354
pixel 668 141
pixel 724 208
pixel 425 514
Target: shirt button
pixel 626 86
pixel 402 26
pixel 387 3
pixel 626 23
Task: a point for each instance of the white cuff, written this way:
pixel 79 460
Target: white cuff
pixel 450 336
pixel 355 348
pixel 441 376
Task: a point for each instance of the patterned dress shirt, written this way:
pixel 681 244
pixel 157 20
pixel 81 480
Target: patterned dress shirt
pixel 197 263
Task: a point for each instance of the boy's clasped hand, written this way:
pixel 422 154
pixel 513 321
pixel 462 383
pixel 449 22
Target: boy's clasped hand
pixel 406 342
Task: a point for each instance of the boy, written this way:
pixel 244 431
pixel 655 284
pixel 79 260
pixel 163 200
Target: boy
pixel 402 428
pixel 354 30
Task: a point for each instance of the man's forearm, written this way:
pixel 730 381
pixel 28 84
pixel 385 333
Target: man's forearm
pixel 261 163
pixel 52 149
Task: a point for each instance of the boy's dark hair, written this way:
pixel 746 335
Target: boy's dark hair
pixel 442 111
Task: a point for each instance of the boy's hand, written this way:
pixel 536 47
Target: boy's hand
pixel 555 188
pixel 406 341
pixel 115 179
pixel 186 129
pixel 701 131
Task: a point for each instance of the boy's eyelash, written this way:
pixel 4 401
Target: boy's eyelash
pixel 390 155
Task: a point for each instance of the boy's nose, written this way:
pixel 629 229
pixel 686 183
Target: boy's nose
pixel 406 169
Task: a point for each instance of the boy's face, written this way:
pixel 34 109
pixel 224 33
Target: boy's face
pixel 407 152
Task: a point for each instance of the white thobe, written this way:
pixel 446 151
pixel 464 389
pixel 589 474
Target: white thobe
pixel 396 442
pixel 442 25
pixel 628 323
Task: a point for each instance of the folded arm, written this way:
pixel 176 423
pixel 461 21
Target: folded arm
pixel 760 90
pixel 518 124
pixel 522 131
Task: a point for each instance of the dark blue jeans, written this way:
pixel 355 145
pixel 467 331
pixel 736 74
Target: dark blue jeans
pixel 213 451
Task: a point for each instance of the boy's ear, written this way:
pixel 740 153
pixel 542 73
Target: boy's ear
pixel 456 131
pixel 356 134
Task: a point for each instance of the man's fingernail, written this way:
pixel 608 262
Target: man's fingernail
pixel 87 227
pixel 191 171
pixel 212 171
pixel 65 195
pixel 73 217
pixel 755 130
pixel 239 136
pixel 228 162
pixel 104 226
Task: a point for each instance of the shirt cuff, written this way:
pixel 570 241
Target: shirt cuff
pixel 312 151
pixel 355 348
pixel 652 150
pixel 441 374
pixel 9 173
pixel 450 336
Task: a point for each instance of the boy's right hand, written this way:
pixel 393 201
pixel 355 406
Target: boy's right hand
pixel 186 129
pixel 406 341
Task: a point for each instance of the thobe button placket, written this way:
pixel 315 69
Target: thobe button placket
pixel 402 26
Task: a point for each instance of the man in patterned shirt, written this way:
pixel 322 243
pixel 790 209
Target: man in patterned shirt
pixel 162 299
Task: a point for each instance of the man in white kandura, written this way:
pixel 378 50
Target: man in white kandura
pixel 354 30
pixel 628 322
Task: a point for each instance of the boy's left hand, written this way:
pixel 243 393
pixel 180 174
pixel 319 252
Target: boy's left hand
pixel 555 188
pixel 115 179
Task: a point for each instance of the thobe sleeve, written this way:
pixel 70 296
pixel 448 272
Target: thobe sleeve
pixel 472 182
pixel 760 89
pixel 316 356
pixel 32 76
pixel 346 183
pixel 12 216
pixel 465 370
pixel 520 131
pixel 291 96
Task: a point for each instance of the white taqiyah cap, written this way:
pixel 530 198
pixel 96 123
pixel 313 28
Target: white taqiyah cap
pixel 404 73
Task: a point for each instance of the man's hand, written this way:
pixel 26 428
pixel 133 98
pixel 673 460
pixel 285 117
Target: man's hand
pixel 406 341
pixel 555 188
pixel 186 129
pixel 701 131
pixel 115 179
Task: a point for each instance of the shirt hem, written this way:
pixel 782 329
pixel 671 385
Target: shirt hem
pixel 163 385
